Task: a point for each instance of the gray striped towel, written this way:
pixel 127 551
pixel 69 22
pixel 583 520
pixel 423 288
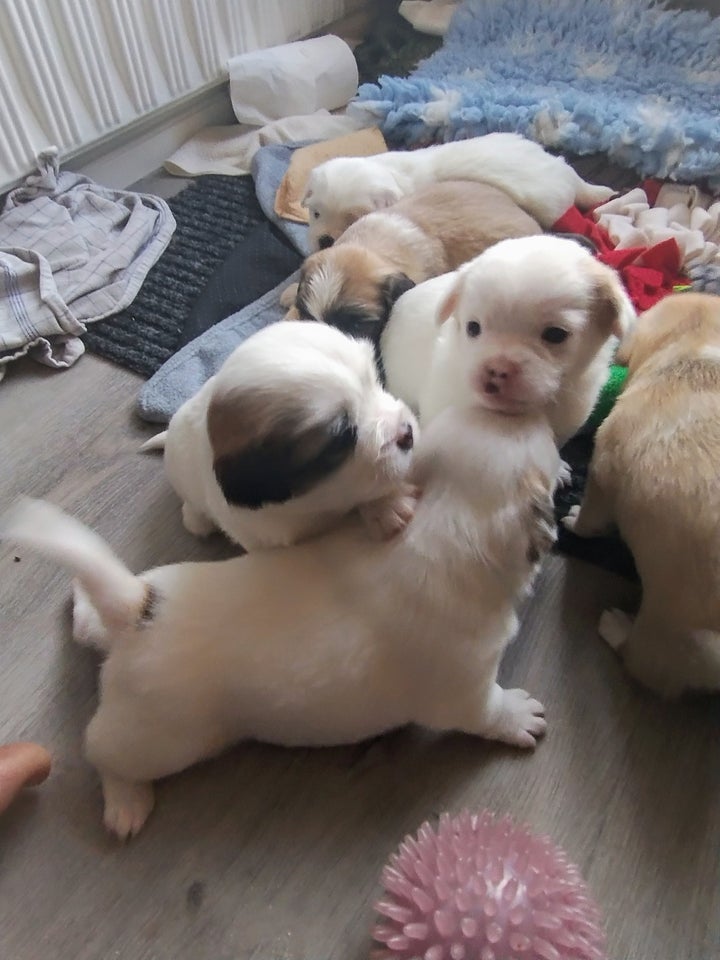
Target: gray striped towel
pixel 71 252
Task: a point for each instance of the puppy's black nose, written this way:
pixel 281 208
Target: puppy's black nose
pixel 405 437
pixel 325 241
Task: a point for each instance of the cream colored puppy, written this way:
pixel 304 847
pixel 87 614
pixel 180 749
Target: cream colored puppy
pixel 531 324
pixel 343 189
pixel 327 642
pixel 291 434
pixel 654 474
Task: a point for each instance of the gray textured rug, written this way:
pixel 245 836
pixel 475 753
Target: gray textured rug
pixel 213 216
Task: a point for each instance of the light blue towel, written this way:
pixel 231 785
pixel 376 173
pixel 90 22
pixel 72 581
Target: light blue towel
pixel 623 77
pixel 185 372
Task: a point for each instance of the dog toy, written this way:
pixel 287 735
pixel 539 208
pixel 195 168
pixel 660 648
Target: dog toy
pixel 482 888
pixel 608 395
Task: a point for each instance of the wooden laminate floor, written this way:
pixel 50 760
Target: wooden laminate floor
pixel 268 853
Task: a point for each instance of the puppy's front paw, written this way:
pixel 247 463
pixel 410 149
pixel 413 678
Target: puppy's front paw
pixel 521 719
pixel 614 627
pixel 195 523
pixel 564 477
pixel 570 519
pixel 390 515
pixel 287 297
pixel 127 806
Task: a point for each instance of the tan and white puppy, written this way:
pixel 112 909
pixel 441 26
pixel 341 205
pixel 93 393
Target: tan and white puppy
pixel 292 433
pixel 361 637
pixel 355 283
pixel 654 475
pixel 531 324
pixel 343 189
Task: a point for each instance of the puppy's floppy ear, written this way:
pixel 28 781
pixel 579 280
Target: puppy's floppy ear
pixel 624 350
pixel 382 197
pixel 449 303
pixel 284 462
pixel 611 307
pixel 393 287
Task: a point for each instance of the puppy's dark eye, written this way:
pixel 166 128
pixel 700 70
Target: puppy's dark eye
pixel 473 329
pixel 554 335
pixel 316 214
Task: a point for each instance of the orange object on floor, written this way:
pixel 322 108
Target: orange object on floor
pixel 21 765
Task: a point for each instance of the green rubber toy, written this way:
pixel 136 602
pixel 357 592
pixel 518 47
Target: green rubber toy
pixel 608 395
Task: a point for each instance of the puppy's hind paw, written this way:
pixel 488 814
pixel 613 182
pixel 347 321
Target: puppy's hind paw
pixel 127 806
pixel 564 476
pixel 614 627
pixel 570 519
pixel 390 515
pixel 516 718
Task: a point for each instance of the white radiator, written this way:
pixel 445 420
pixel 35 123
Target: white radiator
pixel 73 71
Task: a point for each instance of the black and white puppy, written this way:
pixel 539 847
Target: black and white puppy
pixel 292 433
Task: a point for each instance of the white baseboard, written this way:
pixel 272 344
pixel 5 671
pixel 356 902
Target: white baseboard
pixel 131 153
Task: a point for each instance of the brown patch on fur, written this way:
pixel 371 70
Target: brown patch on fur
pixel 237 419
pixel 466 217
pixel 148 610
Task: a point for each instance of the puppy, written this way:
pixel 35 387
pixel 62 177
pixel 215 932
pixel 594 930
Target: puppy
pixel 654 474
pixel 529 324
pixel 343 189
pixel 293 432
pixel 354 284
pixel 364 635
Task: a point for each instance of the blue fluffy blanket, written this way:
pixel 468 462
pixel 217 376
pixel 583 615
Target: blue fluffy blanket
pixel 628 78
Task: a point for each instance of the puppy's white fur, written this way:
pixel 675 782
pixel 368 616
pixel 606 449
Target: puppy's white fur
pixel 282 380
pixel 654 475
pixel 327 642
pixel 513 293
pixel 343 189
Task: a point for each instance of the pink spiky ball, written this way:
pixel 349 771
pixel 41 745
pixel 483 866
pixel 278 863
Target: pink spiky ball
pixel 481 888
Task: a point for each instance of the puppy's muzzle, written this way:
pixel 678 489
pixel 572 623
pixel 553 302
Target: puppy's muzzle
pixel 325 241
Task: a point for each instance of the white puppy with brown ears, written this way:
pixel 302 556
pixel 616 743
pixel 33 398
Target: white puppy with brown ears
pixel 343 189
pixel 654 475
pixel 531 324
pixel 366 635
pixel 291 434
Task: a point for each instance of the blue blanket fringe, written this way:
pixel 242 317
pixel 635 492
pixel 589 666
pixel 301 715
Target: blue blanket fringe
pixel 628 78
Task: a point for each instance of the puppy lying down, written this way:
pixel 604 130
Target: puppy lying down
pixel 326 642
pixel 354 284
pixel 291 434
pixel 343 189
pixel 532 323
pixel 654 474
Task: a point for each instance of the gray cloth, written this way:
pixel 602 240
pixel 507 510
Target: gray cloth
pixel 71 252
pixel 183 374
pixel 269 166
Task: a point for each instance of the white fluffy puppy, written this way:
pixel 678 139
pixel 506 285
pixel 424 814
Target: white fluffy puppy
pixel 343 189
pixel 529 324
pixel 361 636
pixel 293 432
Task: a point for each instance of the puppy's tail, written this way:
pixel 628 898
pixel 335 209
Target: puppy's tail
pixel 118 596
pixel 155 443
pixel 589 195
